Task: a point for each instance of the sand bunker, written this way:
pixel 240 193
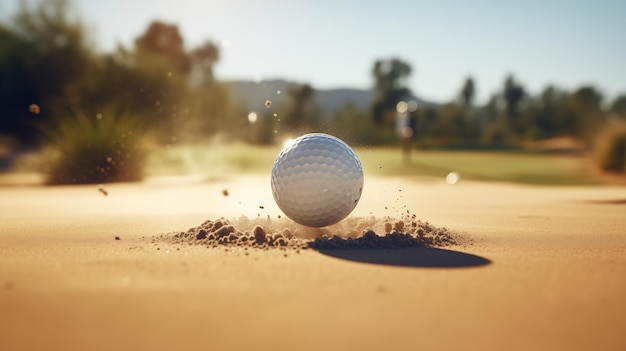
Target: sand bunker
pixel 281 233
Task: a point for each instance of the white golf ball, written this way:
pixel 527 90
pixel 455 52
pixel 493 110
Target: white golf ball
pixel 317 180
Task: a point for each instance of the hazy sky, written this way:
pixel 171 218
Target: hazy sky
pixel 332 43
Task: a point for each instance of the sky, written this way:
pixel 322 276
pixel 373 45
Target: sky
pixel 334 44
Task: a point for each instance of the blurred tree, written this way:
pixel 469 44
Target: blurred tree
pixel 207 111
pixel 116 82
pixel 451 124
pixel 495 107
pixel 301 113
pixel 192 105
pixel 51 81
pixel 513 94
pixel 426 125
pixel 203 58
pixel 164 41
pixel 541 118
pixel 581 113
pixel 467 120
pixel 182 96
pixel 389 88
pixel 468 92
pixel 455 126
pixel 42 52
pixel 516 99
pixel 16 90
pixel 354 127
pixel 619 106
pixel 494 125
pixel 589 99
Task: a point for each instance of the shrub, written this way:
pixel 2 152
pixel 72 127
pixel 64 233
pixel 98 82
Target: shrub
pixel 611 148
pixel 105 147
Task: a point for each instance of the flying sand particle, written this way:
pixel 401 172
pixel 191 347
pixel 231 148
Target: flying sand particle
pixel 268 103
pixel 103 191
pixel 34 108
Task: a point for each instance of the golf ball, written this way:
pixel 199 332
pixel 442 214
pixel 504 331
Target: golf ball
pixel 317 180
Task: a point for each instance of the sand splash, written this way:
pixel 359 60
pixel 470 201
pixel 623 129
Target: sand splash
pixel 282 233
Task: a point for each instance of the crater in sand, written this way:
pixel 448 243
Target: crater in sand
pixel 350 234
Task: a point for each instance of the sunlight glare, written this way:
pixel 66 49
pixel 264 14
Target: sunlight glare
pixel 287 143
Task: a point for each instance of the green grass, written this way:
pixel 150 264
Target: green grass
pixel 213 160
pixel 527 168
pixel 538 169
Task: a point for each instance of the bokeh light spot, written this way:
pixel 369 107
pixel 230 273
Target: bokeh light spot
pixel 452 178
pixel 252 117
pixel 401 107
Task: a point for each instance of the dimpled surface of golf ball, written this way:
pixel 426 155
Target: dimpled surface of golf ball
pixel 317 180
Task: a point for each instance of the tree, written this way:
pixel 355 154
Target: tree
pixel 513 94
pixel 191 101
pixel 301 112
pixel 354 127
pixel 389 87
pixel 164 41
pixel 586 111
pixel 468 92
pixel 491 119
pixel 42 52
pixel 543 115
pixel 619 106
pixel 203 58
pixel 451 124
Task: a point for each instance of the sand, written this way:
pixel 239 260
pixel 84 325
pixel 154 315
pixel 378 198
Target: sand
pixel 540 268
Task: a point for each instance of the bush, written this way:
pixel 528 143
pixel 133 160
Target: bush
pixel 105 147
pixel 611 148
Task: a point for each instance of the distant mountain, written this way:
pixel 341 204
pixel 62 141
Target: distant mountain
pixel 333 99
pixel 253 95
